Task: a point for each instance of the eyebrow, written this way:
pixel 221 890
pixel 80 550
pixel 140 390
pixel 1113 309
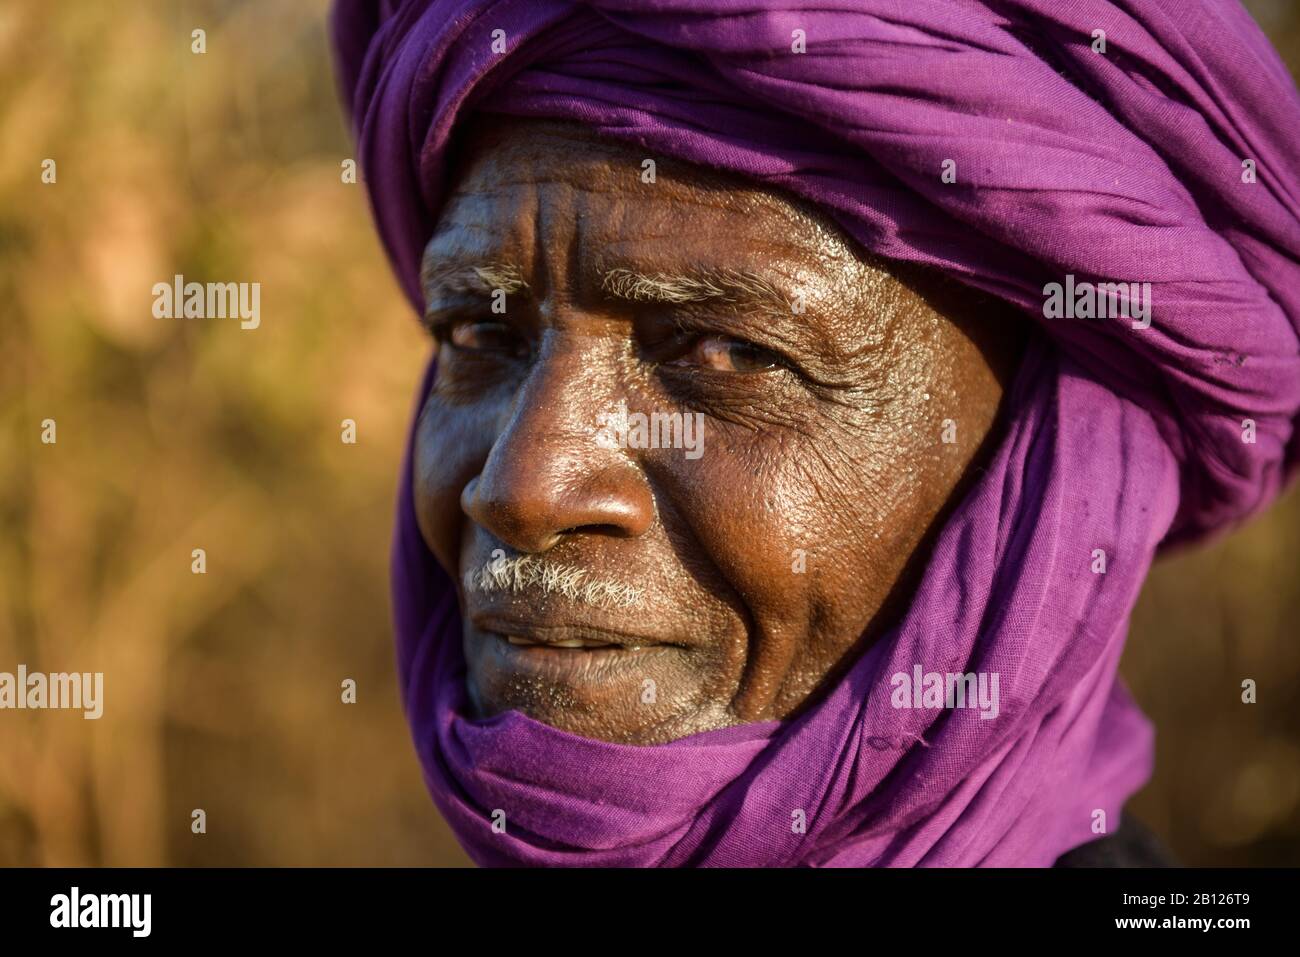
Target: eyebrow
pixel 723 286
pixel 482 279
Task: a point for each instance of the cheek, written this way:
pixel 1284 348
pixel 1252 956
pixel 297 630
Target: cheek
pixel 768 511
pixel 811 528
pixel 785 507
pixel 451 445
pixel 751 508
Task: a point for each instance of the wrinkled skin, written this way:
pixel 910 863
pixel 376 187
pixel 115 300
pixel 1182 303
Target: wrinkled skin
pixel 822 432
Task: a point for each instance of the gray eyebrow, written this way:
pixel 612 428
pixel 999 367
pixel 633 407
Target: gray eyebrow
pixel 483 278
pixel 723 286
pixel 727 286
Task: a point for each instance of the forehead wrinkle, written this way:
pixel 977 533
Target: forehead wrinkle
pixel 842 279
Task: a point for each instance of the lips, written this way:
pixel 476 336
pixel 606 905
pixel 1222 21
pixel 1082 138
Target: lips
pixel 587 661
pixel 631 675
pixel 575 636
pixel 580 643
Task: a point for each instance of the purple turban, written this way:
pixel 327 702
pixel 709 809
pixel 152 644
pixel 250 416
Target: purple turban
pixel 1139 141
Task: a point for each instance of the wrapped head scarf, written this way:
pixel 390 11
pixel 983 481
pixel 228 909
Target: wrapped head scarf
pixel 1130 141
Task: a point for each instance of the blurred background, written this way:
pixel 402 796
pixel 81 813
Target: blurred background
pixel 223 689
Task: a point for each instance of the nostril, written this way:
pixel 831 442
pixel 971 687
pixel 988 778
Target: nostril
pixel 604 528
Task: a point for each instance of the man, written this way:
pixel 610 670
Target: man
pixel 734 531
pixel 702 590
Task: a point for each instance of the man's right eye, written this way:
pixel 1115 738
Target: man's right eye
pixel 476 335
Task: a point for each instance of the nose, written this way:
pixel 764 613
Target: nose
pixel 546 476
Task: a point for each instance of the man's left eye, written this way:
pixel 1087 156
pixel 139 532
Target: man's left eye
pixel 724 354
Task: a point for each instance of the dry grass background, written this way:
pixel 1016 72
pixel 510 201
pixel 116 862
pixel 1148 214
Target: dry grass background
pixel 223 689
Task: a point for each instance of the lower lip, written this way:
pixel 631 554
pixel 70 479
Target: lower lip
pixel 570 665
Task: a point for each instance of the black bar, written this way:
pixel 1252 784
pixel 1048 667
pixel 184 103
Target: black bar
pixel 446 909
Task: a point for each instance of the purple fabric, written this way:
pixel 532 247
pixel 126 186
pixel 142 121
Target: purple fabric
pixel 1122 166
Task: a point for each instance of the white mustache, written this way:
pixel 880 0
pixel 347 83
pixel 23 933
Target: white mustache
pixel 529 573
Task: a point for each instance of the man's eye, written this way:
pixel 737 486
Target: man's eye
pixel 724 354
pixel 482 336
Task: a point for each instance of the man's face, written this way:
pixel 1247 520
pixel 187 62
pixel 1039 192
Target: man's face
pixel 818 415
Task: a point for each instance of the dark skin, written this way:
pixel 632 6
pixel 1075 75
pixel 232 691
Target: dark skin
pixel 823 433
